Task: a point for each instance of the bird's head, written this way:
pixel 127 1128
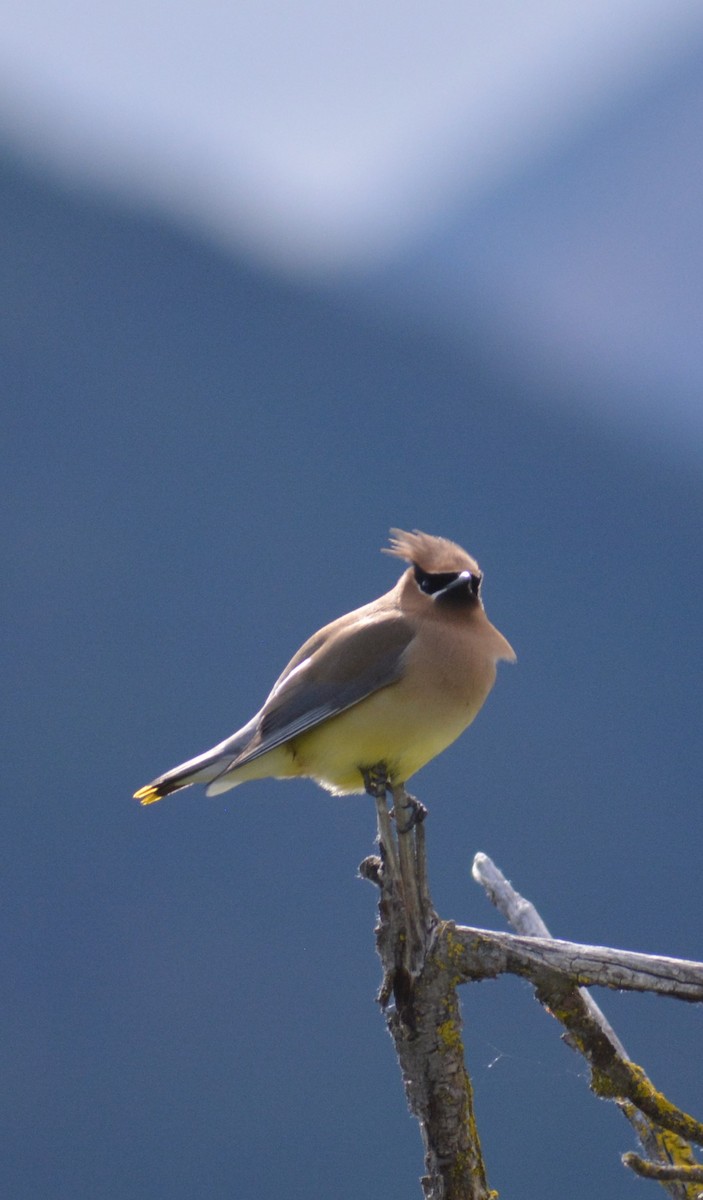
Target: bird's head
pixel 440 569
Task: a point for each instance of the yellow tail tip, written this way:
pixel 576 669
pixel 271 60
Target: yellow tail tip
pixel 147 795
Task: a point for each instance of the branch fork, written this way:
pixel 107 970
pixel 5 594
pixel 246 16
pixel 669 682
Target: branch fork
pixel 418 955
pixel 424 959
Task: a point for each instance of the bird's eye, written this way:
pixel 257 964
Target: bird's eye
pixel 433 583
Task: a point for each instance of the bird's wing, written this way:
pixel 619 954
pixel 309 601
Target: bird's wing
pixel 349 665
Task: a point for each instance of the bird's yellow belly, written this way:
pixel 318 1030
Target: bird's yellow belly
pixel 388 727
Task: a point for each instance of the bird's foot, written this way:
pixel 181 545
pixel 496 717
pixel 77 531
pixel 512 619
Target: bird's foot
pixel 408 811
pixel 376 780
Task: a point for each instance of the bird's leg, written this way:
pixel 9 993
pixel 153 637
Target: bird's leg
pixel 376 781
pixel 407 917
pixel 377 785
pixel 420 916
pixel 392 939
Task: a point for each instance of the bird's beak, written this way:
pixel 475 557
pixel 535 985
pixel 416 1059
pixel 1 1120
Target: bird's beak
pixel 462 578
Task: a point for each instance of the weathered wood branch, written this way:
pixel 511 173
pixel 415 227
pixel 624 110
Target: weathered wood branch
pixel 424 959
pixel 524 918
pixel 490 953
pixel 672 1161
pixel 417 954
pixel 662 1171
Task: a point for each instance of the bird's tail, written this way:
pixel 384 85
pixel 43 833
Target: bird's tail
pixel 203 769
pixel 193 771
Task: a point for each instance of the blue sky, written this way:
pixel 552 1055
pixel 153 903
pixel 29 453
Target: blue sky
pixel 207 441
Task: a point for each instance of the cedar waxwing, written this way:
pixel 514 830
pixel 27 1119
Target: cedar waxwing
pixel 392 683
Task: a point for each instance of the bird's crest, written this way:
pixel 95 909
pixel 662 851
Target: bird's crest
pixel 433 554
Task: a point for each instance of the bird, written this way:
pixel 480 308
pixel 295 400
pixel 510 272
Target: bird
pixel 389 685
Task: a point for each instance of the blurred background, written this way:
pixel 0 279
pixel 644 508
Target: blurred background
pixel 274 278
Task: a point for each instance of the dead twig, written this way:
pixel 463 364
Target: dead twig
pixel 665 1133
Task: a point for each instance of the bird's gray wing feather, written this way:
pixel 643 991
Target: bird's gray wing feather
pixel 350 665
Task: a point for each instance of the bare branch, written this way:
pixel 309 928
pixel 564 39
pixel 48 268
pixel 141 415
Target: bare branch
pixel 660 1171
pixel 585 966
pixel 524 917
pixel 424 959
pixel 518 912
pixel 591 1033
pixel 419 973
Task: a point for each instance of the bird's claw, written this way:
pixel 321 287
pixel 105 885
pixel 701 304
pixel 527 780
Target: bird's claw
pixel 414 813
pixel 376 780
